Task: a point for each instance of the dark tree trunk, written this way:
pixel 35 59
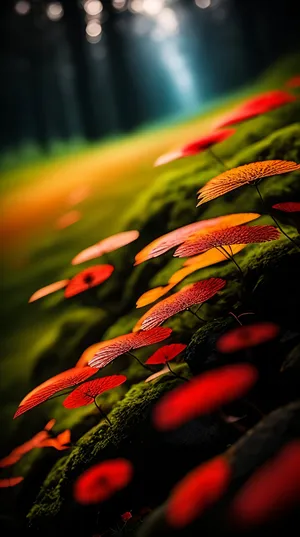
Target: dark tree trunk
pixel 124 89
pixel 76 35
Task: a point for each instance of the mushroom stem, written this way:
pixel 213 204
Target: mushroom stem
pixel 247 313
pixel 139 361
pixel 175 374
pixel 202 319
pixel 231 257
pixel 264 205
pixel 236 318
pixel 102 412
pixel 195 315
pixel 217 158
pixel 60 394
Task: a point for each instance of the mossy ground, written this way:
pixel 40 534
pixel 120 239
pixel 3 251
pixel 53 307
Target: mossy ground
pixel 44 338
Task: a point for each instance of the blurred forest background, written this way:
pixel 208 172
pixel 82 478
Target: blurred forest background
pixel 77 71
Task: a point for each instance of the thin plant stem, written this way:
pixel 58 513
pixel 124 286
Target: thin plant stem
pixel 231 257
pixel 217 159
pixel 201 318
pixel 248 313
pixel 102 412
pixel 236 318
pixel 224 252
pixel 264 205
pixel 195 315
pixel 139 361
pixel 199 307
pixel 175 374
pixel 61 394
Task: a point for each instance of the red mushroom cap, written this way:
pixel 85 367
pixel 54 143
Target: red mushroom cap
pixel 102 481
pixel 86 393
pixel 166 354
pixel 204 394
pixel 198 491
pixel 244 337
pixel 87 279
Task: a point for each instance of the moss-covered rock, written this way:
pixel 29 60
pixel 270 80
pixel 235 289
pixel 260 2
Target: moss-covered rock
pixel 266 269
pixel 130 436
pixel 201 353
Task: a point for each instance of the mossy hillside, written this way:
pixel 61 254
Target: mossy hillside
pixel 67 341
pixel 171 202
pixel 175 191
pixel 132 436
pixel 268 260
pixel 168 203
pixel 253 259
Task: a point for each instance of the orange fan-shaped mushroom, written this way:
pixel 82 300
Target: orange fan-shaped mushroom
pixel 198 491
pixel 87 392
pixel 196 146
pixel 225 237
pixel 288 207
pixel 261 104
pixel 203 395
pixel 190 295
pixel 48 290
pixel 211 257
pixel 243 175
pixel 110 244
pixel 44 391
pixel 111 349
pixel 166 354
pixel 61 442
pixel 166 242
pixel 87 279
pixel 152 295
pixel 272 491
pixel 244 337
pixel 18 452
pixel 102 481
pixel 37 441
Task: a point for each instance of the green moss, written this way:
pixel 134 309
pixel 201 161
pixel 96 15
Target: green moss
pixel 128 417
pixel 62 347
pixel 52 496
